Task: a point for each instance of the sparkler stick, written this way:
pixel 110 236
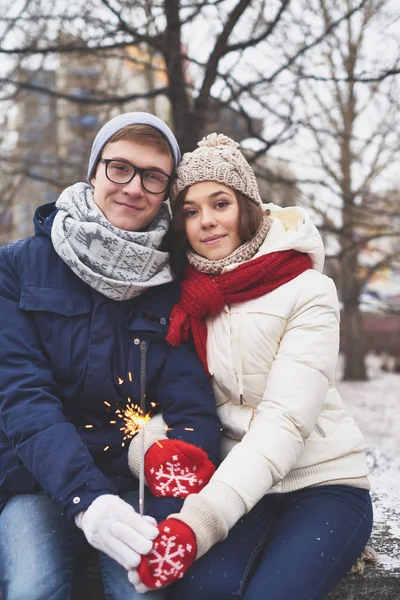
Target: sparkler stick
pixel 143 351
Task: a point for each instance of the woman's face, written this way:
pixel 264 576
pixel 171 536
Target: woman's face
pixel 211 214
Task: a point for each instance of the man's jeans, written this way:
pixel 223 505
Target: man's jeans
pixel 292 546
pixel 39 550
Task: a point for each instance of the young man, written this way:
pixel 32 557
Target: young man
pixel 84 310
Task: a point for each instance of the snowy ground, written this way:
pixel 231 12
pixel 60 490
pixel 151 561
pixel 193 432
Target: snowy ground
pixel 375 405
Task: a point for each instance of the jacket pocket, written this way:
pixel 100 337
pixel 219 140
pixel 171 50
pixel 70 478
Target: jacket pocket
pixel 320 431
pixel 62 321
pixel 54 300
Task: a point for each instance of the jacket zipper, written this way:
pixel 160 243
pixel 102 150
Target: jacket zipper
pixel 319 430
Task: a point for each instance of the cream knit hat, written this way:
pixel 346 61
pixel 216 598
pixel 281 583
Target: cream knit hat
pixel 218 158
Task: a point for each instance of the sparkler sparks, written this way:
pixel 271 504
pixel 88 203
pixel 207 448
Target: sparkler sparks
pixel 133 418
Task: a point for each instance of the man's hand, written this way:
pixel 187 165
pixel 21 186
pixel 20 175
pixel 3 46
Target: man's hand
pixel 114 527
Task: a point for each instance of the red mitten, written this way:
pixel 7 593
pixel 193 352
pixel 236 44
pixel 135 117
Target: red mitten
pixel 175 468
pixel 174 551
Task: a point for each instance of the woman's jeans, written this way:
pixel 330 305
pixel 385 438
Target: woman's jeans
pixel 294 546
pixel 40 549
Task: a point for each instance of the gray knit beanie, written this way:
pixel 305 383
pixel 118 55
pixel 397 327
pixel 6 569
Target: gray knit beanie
pixel 218 158
pixel 118 123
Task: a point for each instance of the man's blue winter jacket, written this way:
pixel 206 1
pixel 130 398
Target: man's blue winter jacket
pixel 64 350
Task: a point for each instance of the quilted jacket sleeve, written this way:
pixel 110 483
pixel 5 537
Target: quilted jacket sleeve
pixel 293 397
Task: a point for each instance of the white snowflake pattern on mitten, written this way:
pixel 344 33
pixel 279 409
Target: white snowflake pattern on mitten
pixel 175 468
pixel 165 558
pixel 175 479
pixel 173 553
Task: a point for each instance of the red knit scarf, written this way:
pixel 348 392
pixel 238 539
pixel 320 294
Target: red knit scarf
pixel 205 295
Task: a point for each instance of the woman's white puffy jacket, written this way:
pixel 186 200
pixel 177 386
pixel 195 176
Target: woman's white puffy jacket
pixel 273 363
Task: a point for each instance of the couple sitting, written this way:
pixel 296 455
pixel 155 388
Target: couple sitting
pixel 256 475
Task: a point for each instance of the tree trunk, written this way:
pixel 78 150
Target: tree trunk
pixel 186 126
pixel 354 344
pixel 352 326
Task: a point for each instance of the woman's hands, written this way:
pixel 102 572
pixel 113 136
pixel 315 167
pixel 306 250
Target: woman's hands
pixel 205 519
pixel 173 468
pixel 174 551
pixel 176 469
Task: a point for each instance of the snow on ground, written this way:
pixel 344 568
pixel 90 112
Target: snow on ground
pixel 375 404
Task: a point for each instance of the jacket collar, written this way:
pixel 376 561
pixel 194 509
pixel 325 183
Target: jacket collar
pixel 43 218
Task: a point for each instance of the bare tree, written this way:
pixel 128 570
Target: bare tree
pixel 272 71
pixel 349 114
pixel 212 52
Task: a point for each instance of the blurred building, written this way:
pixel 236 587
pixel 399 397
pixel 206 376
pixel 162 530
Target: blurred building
pixel 36 149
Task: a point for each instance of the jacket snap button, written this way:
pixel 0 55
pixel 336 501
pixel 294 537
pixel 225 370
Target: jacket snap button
pixel 76 500
pixel 136 341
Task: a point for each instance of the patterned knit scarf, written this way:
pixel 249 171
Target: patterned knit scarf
pixel 203 295
pixel 117 263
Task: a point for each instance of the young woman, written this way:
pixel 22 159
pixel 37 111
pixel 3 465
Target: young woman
pixel 290 504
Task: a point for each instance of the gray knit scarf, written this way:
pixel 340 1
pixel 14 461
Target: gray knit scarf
pixel 117 263
pixel 245 252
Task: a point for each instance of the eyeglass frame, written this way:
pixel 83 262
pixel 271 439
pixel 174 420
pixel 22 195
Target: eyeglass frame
pixel 136 170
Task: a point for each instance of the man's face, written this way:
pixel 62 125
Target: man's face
pixel 129 206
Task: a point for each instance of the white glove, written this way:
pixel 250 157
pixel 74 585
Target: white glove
pixel 114 527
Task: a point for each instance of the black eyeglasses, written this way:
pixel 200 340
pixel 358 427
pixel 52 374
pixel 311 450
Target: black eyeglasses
pixel 122 172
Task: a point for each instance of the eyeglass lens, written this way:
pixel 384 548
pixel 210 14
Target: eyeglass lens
pixel 152 181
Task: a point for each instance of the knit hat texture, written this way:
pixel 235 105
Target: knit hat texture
pixel 118 123
pixel 218 158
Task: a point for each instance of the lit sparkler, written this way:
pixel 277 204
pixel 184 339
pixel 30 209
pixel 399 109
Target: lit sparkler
pixel 133 418
pixel 143 353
